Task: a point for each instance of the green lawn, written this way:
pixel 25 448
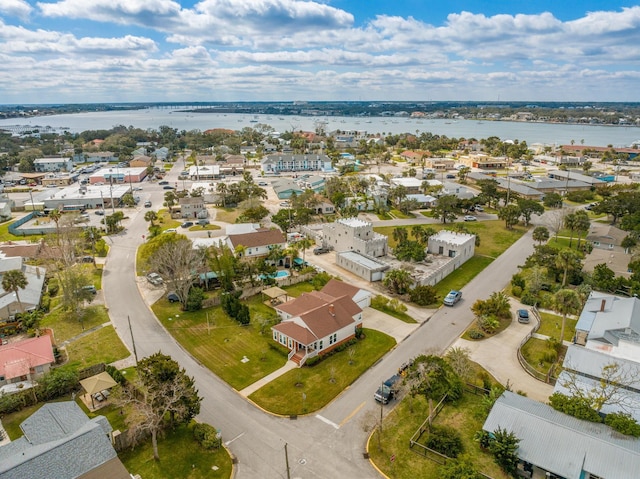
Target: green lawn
pixel 396 314
pixel 495 239
pixel 461 276
pixel 466 416
pixel 101 346
pixel 227 215
pixel 65 326
pixel 223 343
pixel 324 381
pixel 180 456
pixel 538 354
pixel 551 325
pixel 208 227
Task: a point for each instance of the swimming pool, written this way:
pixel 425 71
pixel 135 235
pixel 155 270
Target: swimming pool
pixel 276 275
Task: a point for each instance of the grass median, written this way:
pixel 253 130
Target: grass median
pixel 307 389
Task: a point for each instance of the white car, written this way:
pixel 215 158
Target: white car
pixel 470 218
pixel 170 230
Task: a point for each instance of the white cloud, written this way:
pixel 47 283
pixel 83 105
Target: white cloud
pixel 15 8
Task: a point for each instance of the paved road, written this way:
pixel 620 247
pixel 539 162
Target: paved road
pixel 322 445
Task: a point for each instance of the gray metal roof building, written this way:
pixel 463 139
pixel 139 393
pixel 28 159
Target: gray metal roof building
pixel 561 444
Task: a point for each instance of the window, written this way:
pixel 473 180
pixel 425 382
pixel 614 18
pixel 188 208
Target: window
pixel 452 253
pixel 321 344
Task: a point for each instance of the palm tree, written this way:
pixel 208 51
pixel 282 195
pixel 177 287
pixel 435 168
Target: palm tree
pixel 581 224
pixel 304 244
pixel 540 234
pixel 151 216
pixel 565 302
pixel 55 216
pixel 13 280
pixel 565 260
pixel 570 224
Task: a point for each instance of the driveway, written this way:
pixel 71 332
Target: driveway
pixel 399 330
pixel 498 355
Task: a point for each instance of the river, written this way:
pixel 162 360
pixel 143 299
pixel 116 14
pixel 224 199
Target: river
pixel 532 133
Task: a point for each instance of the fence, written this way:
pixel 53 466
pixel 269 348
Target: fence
pixel 421 448
pixel 545 378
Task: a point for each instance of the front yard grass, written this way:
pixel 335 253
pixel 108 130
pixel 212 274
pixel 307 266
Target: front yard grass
pixel 227 215
pixel 180 456
pixel 220 343
pixel 392 312
pixel 466 416
pixel 65 326
pixel 101 346
pixel 324 381
pixel 462 275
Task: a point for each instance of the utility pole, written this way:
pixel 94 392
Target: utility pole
pixel 286 457
pixel 133 341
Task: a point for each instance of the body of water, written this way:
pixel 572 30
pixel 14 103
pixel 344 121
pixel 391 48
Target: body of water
pixel 545 133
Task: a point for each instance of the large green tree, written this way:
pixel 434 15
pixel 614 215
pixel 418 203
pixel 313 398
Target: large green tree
pixel 446 208
pixel 161 396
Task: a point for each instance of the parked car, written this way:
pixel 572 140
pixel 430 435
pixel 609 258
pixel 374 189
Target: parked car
pixel 320 250
pixel 100 212
pixel 147 204
pixel 388 389
pixel 452 298
pixel 170 230
pixel 163 182
pixel 263 183
pixel 187 224
pixel 173 297
pixel 91 288
pixel 154 278
pixel 451 177
pixel 285 204
pixel 479 208
pixel 523 316
pixel 168 187
pixel 470 218
pixel 203 222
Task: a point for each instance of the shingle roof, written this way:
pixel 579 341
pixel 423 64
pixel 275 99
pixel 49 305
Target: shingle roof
pixel 562 444
pixel 61 443
pixel 337 288
pixel 259 238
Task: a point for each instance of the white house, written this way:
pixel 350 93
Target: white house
pixel 315 323
pixel 258 243
pixel 352 234
pixel 274 164
pixel 52 164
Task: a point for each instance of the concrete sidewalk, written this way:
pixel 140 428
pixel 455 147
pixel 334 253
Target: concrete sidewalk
pixel 267 379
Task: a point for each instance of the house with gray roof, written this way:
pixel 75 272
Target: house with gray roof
pixel 561 445
pixel 60 442
pixel 285 188
pixel 29 296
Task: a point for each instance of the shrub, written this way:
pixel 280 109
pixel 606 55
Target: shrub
pixel 623 423
pixel 194 299
pixel 528 298
pixel 445 440
pixel 516 291
pixel 424 295
pixel 518 280
pixel 53 287
pixel 206 435
pixel 504 446
pixel 476 334
pixel 461 469
pixel 116 374
pixel 313 361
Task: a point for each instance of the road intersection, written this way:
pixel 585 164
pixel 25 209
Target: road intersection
pixel 328 443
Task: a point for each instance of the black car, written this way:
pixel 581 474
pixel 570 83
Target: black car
pixel 388 389
pixel 320 250
pixel 168 187
pixel 187 224
pixel 163 182
pixel 173 297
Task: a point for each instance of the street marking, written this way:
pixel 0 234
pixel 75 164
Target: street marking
pixel 327 421
pixel 231 440
pixel 355 411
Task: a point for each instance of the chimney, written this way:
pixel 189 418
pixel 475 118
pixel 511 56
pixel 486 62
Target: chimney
pixel 332 310
pixel 602 305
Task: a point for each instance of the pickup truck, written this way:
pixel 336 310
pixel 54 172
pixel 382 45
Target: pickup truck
pixel 388 389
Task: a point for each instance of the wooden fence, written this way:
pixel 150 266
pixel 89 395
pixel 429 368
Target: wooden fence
pixel 545 378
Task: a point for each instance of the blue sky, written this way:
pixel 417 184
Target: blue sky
pixel 59 51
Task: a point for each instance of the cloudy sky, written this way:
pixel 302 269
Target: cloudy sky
pixel 55 51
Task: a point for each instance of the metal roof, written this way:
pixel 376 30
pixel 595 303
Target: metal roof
pixel 561 444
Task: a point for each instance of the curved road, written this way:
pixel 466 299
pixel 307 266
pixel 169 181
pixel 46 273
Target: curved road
pixel 329 443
